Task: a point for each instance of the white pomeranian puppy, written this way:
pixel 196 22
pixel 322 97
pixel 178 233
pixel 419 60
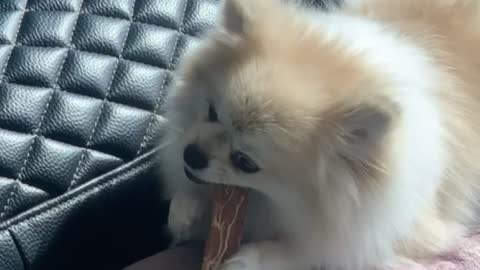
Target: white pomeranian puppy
pixel 357 130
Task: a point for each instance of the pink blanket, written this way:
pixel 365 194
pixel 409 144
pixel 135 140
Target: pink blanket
pixel 466 256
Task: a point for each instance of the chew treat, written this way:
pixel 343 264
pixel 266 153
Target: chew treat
pixel 226 228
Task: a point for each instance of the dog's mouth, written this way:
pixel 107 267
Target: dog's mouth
pixel 192 177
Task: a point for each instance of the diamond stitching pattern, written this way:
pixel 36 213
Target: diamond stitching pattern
pixel 82 84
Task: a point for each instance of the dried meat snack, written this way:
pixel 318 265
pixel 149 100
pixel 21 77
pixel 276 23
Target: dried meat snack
pixel 226 227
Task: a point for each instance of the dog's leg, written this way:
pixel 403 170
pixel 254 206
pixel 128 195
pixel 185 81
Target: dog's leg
pixel 188 217
pixel 268 255
pixel 433 235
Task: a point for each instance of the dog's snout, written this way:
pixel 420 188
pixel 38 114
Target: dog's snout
pixel 194 157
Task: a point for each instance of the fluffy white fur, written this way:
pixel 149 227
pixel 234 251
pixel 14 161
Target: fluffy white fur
pixel 359 118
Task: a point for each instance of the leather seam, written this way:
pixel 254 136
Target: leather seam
pixel 59 141
pixel 17 182
pixel 132 19
pixel 167 67
pixel 20 21
pixel 148 130
pixel 110 177
pixel 136 21
pixel 36 132
pixel 66 90
pixel 75 176
pixel 10 198
pixel 21 254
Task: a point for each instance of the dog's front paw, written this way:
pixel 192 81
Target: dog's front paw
pixel 186 216
pixel 248 258
pixel 401 262
pixel 268 255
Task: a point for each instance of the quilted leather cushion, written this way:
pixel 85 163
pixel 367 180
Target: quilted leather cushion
pixel 82 86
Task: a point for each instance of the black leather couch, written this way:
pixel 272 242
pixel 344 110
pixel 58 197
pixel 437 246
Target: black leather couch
pixel 82 83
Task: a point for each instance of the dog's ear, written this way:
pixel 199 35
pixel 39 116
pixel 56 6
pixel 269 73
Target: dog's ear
pixel 236 15
pixel 363 127
pixel 360 136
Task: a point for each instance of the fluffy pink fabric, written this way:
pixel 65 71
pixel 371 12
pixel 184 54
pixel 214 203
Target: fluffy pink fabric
pixel 465 256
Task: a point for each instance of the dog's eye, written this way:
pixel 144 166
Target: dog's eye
pixel 212 114
pixel 243 162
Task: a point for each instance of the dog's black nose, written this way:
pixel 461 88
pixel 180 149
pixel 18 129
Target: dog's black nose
pixel 195 157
